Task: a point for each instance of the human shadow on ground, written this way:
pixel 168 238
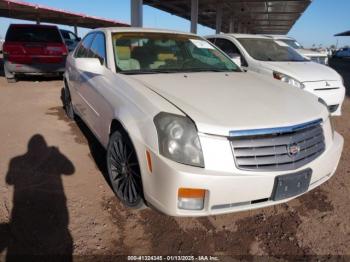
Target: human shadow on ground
pixel 38 227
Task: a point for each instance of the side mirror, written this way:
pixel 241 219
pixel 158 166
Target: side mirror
pixel 90 65
pixel 236 58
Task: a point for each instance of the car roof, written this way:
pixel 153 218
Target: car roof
pixel 280 37
pixel 239 36
pixel 33 25
pixel 140 30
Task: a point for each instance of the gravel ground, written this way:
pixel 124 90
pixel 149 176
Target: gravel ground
pixel 55 198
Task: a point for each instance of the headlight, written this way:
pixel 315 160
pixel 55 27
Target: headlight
pixel 287 79
pixel 178 139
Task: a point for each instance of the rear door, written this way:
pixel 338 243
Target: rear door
pixel 92 85
pixel 76 78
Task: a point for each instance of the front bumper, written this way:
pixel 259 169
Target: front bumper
pixel 227 192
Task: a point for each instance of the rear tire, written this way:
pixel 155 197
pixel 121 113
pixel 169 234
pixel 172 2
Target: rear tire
pixel 11 80
pixel 68 106
pixel 10 77
pixel 124 170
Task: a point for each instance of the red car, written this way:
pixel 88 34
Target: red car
pixel 33 49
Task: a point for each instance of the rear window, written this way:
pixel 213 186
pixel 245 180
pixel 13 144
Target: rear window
pixel 33 34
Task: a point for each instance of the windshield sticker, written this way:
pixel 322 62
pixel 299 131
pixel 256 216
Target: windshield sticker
pixel 201 44
pixel 281 43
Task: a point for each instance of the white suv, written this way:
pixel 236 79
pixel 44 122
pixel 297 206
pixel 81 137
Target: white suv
pixel 188 132
pixel 279 61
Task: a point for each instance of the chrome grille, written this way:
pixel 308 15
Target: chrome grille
pixel 271 149
pixel 319 59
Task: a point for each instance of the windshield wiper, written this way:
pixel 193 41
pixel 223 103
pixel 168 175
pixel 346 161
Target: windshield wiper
pixel 144 72
pixel 207 70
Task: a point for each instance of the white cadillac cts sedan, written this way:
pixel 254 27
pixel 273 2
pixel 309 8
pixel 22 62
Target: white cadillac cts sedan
pixel 188 132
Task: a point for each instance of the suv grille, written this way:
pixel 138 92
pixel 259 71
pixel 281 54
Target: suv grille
pixel 319 59
pixel 278 149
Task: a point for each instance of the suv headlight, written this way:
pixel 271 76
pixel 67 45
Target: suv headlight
pixel 287 79
pixel 178 139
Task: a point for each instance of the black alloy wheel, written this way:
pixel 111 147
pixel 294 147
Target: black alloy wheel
pixel 124 171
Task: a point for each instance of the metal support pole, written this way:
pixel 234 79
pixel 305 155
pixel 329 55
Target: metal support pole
pixel 76 30
pixel 38 20
pixel 239 28
pixel 232 25
pixel 136 13
pixel 219 12
pixel 194 16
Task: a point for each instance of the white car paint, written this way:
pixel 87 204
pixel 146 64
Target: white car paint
pixel 219 103
pixel 318 79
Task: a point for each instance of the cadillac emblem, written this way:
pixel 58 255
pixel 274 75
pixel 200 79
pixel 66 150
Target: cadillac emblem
pixel 293 150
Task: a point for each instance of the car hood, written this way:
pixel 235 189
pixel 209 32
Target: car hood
pixel 311 53
pixel 219 103
pixel 304 71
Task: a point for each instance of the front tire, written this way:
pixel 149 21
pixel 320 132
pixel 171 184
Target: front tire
pixel 124 170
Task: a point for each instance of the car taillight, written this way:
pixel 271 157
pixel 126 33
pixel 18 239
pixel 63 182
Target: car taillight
pixel 64 49
pixel 12 48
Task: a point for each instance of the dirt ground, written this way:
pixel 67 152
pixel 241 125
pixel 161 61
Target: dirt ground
pixel 55 198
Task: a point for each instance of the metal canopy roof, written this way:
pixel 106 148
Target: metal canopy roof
pixel 347 33
pixel 257 16
pixel 33 12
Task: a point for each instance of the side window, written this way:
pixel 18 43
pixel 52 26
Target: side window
pixel 84 47
pixel 98 48
pixel 65 34
pixel 72 36
pixel 227 46
pixel 230 49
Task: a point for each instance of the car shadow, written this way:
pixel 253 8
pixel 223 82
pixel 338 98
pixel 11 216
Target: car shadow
pixel 38 226
pixel 342 66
